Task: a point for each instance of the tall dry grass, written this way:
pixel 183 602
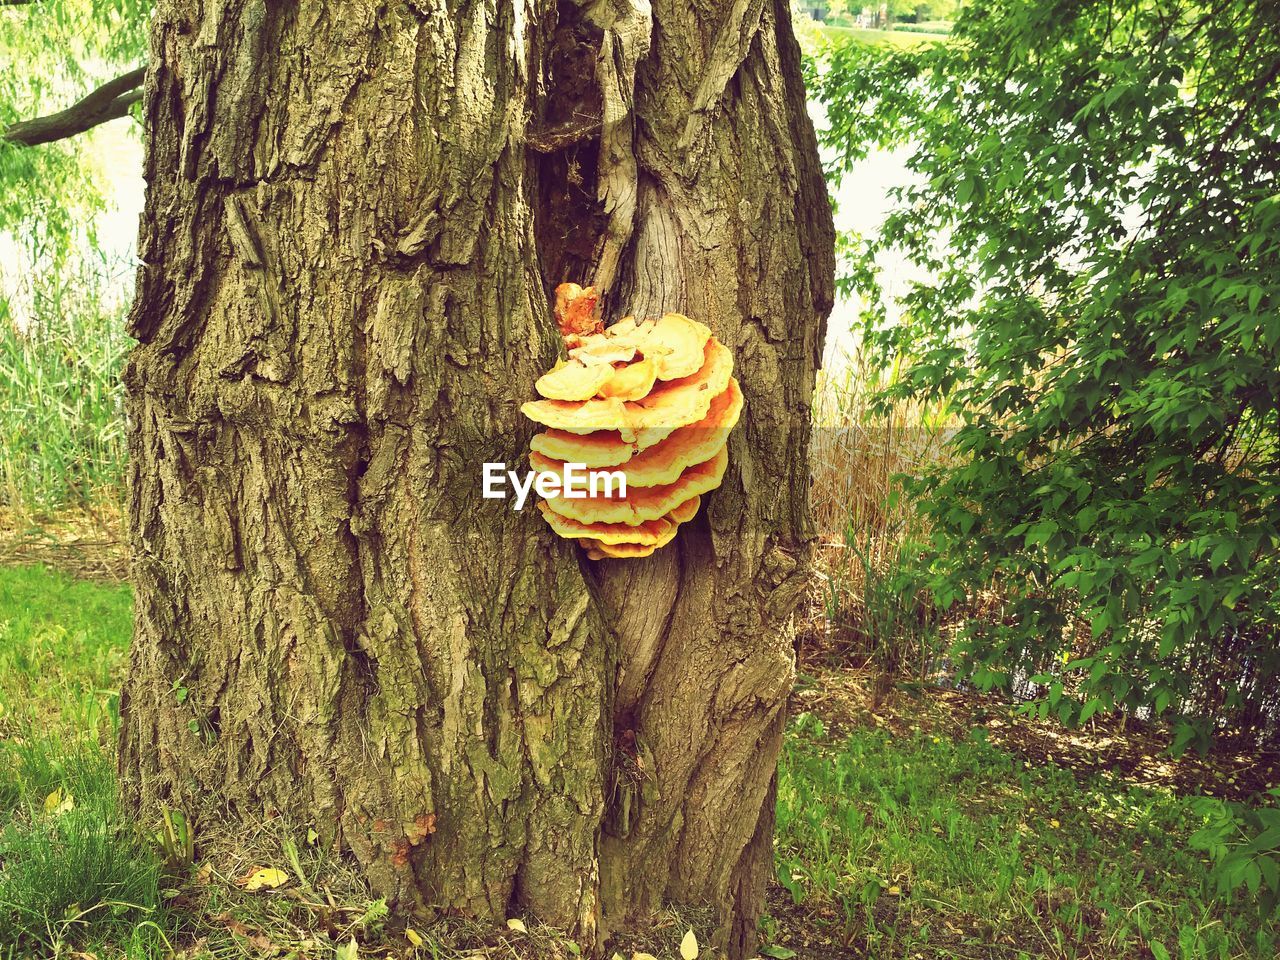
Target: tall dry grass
pixel 869 531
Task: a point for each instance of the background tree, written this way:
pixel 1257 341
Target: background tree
pixel 914 11
pixel 1096 211
pixel 353 224
pixel 51 51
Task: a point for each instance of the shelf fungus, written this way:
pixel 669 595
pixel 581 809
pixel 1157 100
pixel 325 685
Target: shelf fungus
pixel 652 399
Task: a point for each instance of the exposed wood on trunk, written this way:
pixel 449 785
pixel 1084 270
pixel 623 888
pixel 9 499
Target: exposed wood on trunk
pixel 353 225
pixel 626 26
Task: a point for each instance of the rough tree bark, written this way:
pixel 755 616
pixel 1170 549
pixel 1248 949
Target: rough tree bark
pixel 355 215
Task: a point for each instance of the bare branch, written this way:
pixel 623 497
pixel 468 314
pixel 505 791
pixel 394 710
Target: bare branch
pixel 109 101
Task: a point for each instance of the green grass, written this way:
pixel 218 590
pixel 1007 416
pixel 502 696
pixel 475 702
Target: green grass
pixel 927 26
pixel 914 847
pixel 63 644
pixel 62 439
pixel 75 871
pixel 923 847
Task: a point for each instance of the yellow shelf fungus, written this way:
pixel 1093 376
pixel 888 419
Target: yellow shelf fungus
pixel 670 404
pixel 652 399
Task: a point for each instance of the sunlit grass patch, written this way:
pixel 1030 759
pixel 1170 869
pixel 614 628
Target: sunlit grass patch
pixel 75 870
pixel 63 644
pixel 894 38
pixel 923 845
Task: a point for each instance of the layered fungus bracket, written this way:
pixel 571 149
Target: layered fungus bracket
pixel 654 400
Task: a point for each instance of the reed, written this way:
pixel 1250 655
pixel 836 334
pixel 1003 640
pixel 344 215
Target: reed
pixel 869 533
pixel 62 431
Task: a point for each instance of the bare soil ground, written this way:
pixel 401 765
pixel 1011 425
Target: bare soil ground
pixel 89 544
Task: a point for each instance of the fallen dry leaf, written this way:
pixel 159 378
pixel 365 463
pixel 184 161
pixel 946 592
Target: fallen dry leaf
pixel 264 878
pixel 58 802
pixel 255 938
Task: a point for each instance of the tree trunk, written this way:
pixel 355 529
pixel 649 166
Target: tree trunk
pixel 353 224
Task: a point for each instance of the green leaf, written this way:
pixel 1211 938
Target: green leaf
pixel 1221 554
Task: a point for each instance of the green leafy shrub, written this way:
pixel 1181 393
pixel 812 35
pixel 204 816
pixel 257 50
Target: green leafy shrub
pixel 1096 213
pixel 1244 845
